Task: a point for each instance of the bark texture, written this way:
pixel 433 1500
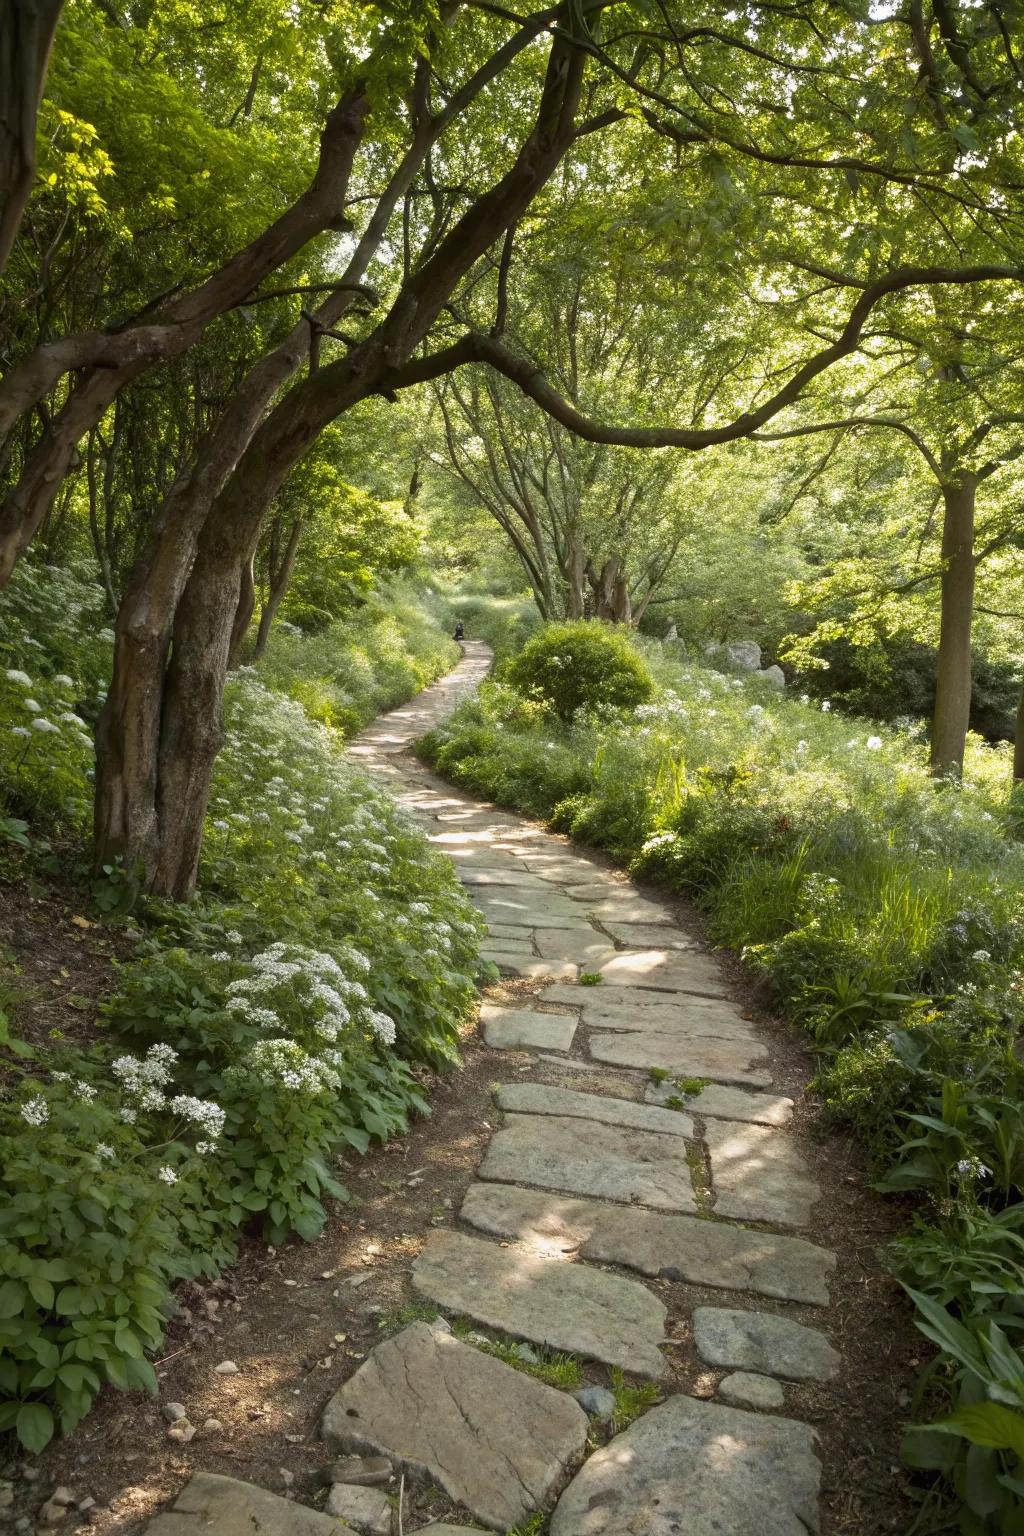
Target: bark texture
pixel 953 674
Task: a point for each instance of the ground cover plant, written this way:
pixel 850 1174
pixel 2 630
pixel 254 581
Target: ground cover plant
pixel 884 910
pixel 284 1016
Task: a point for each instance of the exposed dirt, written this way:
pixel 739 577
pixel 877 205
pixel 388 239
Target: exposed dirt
pixel 299 1321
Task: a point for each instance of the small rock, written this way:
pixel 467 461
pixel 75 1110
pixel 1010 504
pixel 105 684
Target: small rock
pixel 441 1325
pixel 286 1477
pixel 62 1495
pixel 226 1368
pixel 30 1474
pixel 745 1389
pixel 6 1494
pixel 84 1505
pixel 212 1427
pixel 172 1412
pixel 597 1401
pixel 23 1524
pixel 359 1471
pixel 181 1432
pixel 51 1514
pixel 359 1280
pixel 774 677
pixel 365 1509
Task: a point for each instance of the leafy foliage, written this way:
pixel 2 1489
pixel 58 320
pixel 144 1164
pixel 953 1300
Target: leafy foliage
pixel 586 665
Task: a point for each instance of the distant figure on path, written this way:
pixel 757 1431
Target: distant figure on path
pixel 460 630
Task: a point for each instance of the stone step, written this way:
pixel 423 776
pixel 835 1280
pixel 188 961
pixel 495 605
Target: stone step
pixel 700 1252
pixel 211 1503
pixel 559 1305
pixel 651 936
pixel 697 1469
pixel 495 1439
pixel 509 1029
pixel 760 1341
pixel 721 1103
pixel 665 970
pixel 721 1060
pixel 542 1099
pixel 586 1158
pixel 759 1174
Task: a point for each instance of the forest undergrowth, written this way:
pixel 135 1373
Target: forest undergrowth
pixel 293 1009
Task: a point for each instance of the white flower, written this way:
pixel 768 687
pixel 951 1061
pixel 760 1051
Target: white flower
pixel 167 1175
pixel 874 743
pixel 201 1112
pixel 46 727
pixel 14 676
pixel 222 955
pixel 220 826
pixel 35 1111
pixel 20 730
pixel 825 706
pixel 205 1147
pixel 233 936
pixel 85 1090
pixel 981 955
pixel 33 706
pixel 801 746
pixel 129 1116
pixel 103 1150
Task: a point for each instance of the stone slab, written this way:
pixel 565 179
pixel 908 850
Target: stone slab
pixel 542 1099
pixel 721 1103
pixel 495 1439
pixel 691 1468
pixel 745 1390
pixel 651 936
pixel 526 913
pixel 726 1061
pixel 588 948
pixel 563 1306
pixel 666 970
pixel 612 1161
pixel 759 1341
pixel 530 968
pixel 364 1509
pixel 209 1502
pixel 628 908
pixel 758 1174
pixel 510 1029
pixel 701 1252
pixel 635 1011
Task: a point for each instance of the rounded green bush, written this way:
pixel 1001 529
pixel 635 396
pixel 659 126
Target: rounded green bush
pixel 581 665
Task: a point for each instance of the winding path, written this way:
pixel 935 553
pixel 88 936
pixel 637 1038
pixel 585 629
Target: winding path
pixel 642 1138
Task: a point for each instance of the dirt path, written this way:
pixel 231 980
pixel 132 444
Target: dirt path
pixel 648 1199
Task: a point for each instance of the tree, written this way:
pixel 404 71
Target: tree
pixel 455 154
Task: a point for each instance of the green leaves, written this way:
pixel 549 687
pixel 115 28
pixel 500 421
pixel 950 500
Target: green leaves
pixel 35 1426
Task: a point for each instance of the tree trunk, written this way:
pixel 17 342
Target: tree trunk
pixel 26 36
pixel 574 577
pixel 1018 744
pixel 244 611
pixel 953 675
pixel 278 587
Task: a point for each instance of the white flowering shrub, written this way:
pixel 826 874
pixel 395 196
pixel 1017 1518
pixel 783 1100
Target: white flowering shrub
pixel 284 1019
pixel 97 1170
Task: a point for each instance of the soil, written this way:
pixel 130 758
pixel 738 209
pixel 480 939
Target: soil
pixel 298 1321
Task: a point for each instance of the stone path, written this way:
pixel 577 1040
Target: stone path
pixel 641 1137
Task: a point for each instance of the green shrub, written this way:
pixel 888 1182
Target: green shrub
pixel 582 665
pixel 283 1018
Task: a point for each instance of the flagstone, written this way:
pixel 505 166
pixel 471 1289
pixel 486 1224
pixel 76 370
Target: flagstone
pixel 758 1174
pixel 697 1469
pixel 496 1440
pixel 728 1061
pixel 667 970
pixel 725 1103
pixel 544 1099
pixel 561 1306
pixel 587 1158
pixel 760 1341
pixel 688 1248
pixel 651 936
pixel 211 1503
pixel 510 1029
